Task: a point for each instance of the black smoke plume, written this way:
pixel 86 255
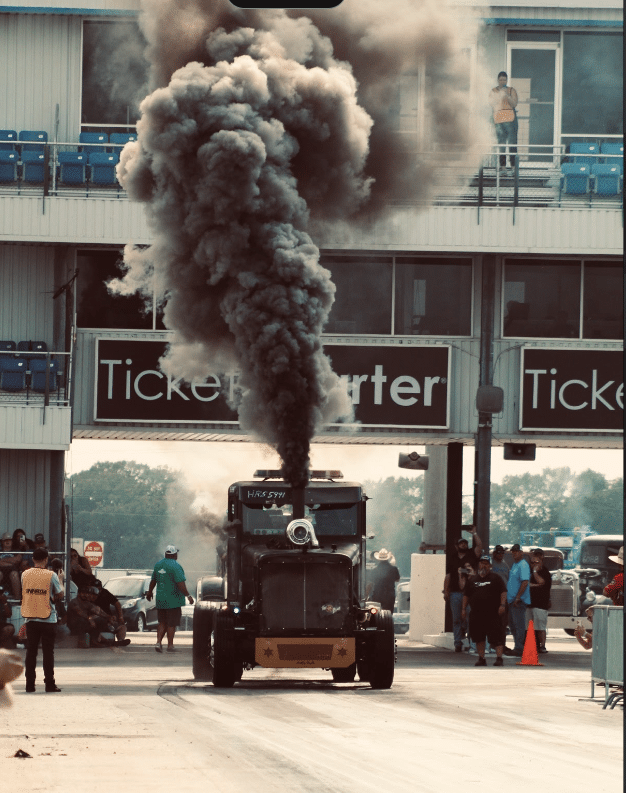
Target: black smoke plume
pixel 252 129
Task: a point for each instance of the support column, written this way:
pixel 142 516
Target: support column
pixel 482 483
pixel 56 540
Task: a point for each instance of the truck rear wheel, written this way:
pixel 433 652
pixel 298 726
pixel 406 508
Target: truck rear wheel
pixel 226 668
pixel 383 658
pixel 202 630
pixel 344 674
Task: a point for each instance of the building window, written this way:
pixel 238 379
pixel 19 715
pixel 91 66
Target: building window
pixel 114 75
pixel 363 297
pixel 97 307
pixel 603 305
pixel 433 296
pixel 541 299
pixel 592 84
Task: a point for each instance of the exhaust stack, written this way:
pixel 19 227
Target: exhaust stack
pixel 297 503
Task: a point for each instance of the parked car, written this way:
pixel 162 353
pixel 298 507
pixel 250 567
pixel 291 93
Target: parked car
pixel 140 614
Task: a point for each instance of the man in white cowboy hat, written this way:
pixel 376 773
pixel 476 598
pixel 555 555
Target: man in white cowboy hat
pixel 615 590
pixel 382 588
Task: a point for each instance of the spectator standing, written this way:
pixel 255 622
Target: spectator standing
pixel 540 585
pixel 41 590
pixel 169 579
pixel 486 596
pixel 518 597
pixel 501 568
pixel 382 588
pixel 10 563
pixel 503 100
pixel 615 590
pixel 452 592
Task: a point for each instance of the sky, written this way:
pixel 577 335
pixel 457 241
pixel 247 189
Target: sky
pixel 210 467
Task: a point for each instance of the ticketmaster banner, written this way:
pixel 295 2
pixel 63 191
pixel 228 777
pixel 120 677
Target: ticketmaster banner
pixel 572 390
pixel 390 385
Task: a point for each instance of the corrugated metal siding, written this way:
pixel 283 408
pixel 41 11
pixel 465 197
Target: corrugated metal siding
pixel 40 60
pixel 26 288
pixel 24 427
pixel 89 220
pixel 25 491
pixel 554 12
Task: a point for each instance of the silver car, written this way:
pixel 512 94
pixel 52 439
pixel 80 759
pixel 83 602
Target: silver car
pixel 139 614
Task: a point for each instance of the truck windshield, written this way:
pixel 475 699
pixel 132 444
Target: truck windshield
pixel 329 520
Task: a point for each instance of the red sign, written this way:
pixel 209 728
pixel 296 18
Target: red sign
pixel 94 552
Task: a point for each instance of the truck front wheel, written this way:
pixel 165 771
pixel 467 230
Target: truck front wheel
pixel 202 630
pixel 383 658
pixel 226 668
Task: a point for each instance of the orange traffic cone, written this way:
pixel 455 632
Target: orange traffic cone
pixel 530 656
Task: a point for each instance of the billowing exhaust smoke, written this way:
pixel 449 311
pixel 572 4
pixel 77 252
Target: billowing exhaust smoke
pixel 253 129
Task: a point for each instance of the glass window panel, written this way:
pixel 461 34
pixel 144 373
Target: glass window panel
pixel 603 305
pixel 363 297
pixel 592 84
pixel 433 297
pixel 96 306
pixel 114 73
pixel 541 299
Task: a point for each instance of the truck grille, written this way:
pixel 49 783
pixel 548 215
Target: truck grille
pixel 562 599
pixel 303 596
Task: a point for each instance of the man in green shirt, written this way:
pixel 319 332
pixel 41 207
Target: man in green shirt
pixel 169 579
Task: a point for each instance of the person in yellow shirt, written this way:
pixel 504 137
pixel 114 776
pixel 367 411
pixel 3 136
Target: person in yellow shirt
pixel 41 590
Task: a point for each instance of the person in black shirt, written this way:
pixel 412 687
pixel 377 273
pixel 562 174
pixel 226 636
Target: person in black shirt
pixel 540 585
pixel 108 602
pixel 382 588
pixel 452 591
pixel 486 596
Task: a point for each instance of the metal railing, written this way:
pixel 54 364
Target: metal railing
pixel 41 396
pixel 607 661
pixel 475 178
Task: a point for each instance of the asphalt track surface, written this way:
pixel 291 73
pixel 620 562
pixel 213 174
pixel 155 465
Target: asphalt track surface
pixel 133 720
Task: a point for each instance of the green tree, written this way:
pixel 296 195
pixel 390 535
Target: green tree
pixel 395 506
pixel 556 498
pixel 128 506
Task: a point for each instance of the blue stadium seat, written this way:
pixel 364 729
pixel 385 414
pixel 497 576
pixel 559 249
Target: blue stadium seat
pixel 607 179
pixel 8 166
pixel 72 168
pixel 33 140
pixel 575 179
pixel 103 168
pixel 38 367
pixel 7 347
pixel 121 138
pixel 582 152
pixel 13 374
pixel 26 347
pixel 616 150
pixel 8 139
pixel 33 167
pixel 93 138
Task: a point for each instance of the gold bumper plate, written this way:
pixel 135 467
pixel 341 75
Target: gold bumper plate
pixel 308 653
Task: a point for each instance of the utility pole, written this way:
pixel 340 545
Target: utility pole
pixel 488 401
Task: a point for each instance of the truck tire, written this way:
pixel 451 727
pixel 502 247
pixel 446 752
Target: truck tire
pixel 383 657
pixel 226 668
pixel 344 674
pixel 202 630
pixel 364 670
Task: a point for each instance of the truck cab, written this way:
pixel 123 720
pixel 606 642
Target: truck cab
pixel 294 586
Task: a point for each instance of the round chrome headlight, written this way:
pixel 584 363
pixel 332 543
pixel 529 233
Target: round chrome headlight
pixel 300 531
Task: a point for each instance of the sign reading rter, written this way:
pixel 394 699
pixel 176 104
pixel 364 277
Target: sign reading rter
pixel 572 390
pixel 389 385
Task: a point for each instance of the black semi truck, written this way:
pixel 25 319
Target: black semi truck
pixel 291 591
